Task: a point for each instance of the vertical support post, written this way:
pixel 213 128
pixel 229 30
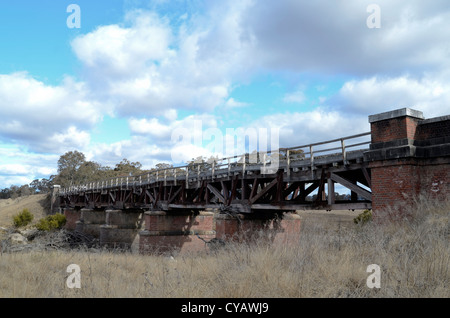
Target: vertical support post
pixel 198 176
pixel 344 153
pixel 264 162
pixel 331 197
pixel 187 177
pixel 288 163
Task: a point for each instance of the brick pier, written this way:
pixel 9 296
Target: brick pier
pixel 409 155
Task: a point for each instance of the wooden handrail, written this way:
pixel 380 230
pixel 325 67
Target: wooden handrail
pixel 215 165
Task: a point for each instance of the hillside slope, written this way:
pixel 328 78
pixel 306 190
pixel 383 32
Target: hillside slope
pixel 36 204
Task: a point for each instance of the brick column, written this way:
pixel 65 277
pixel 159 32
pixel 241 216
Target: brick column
pixel 176 232
pixel 408 156
pixel 90 222
pixel 120 229
pixel 394 169
pixel 248 227
pixel 72 216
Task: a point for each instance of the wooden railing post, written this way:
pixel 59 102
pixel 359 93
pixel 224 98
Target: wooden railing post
pixel 344 153
pixel 288 163
pixel 187 177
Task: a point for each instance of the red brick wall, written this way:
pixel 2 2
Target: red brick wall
pixel 151 244
pixel 162 221
pixel 433 130
pixel 397 183
pixel 72 216
pixel 278 231
pixel 167 232
pixel 394 185
pixel 435 181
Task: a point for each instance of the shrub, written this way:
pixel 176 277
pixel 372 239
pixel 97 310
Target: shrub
pixel 23 218
pixel 364 217
pixel 51 222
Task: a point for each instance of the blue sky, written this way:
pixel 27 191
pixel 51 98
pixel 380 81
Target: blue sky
pixel 137 71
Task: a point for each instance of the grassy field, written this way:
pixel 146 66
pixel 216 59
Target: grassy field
pixel 36 204
pixel 330 260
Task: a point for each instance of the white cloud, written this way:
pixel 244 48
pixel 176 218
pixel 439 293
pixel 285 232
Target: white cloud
pixel 232 103
pixel 296 129
pixel 295 97
pixel 373 95
pixel 36 115
pixel 332 37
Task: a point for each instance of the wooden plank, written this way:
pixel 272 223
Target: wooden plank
pixel 263 191
pixel 303 194
pixel 254 188
pixel 150 196
pixel 216 193
pixel 224 190
pixel 175 194
pixel 320 191
pixel 366 175
pixel 279 185
pixel 293 186
pixel 112 197
pixel 233 190
pixel 353 187
pixel 331 196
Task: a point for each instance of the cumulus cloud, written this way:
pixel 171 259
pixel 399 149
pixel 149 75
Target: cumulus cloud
pixel 295 97
pixel 37 115
pixel 332 37
pixel 321 124
pixel 232 103
pixel 147 65
pixel 377 94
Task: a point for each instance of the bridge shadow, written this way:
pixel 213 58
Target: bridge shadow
pixel 175 232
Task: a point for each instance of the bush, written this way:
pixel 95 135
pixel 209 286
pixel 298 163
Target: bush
pixel 364 217
pixel 51 222
pixel 23 218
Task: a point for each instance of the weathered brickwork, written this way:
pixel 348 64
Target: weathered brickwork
pixel 429 129
pixel 72 216
pixel 241 228
pixel 175 233
pixel 409 156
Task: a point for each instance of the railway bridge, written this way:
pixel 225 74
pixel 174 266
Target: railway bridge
pixel 180 208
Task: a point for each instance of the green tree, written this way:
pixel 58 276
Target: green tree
pixel 127 168
pixel 68 165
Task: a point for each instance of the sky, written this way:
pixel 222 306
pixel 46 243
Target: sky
pixel 151 80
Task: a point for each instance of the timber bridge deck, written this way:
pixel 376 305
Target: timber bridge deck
pixel 279 180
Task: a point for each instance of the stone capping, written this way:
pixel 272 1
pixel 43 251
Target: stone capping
pixel 396 113
pixel 177 233
pixel 434 120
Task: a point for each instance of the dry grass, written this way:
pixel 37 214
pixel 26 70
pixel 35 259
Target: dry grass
pixel 328 261
pixel 10 207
